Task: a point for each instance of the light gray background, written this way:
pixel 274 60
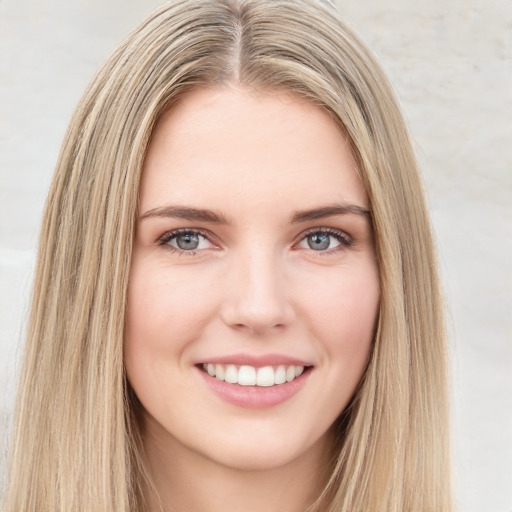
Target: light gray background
pixel 451 64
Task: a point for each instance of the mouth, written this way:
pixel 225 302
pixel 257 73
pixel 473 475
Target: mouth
pixel 246 375
pixel 255 382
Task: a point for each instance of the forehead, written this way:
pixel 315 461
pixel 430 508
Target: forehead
pixel 216 145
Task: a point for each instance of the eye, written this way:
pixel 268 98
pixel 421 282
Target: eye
pixel 185 240
pixel 325 240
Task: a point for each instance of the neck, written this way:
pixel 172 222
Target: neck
pixel 187 481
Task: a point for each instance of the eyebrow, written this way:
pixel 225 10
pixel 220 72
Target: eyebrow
pixel 329 211
pixel 215 217
pixel 187 213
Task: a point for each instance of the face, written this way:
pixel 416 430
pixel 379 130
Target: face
pixel 254 289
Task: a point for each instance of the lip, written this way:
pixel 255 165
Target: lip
pixel 256 361
pixel 254 397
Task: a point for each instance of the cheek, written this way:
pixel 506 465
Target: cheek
pixel 165 306
pixel 344 310
pixel 166 312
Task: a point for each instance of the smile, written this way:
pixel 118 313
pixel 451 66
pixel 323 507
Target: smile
pixel 245 375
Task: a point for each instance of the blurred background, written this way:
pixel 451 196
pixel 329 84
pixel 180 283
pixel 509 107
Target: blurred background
pixel 450 62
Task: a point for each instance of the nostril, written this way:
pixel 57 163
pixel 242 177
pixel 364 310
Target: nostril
pixel 254 328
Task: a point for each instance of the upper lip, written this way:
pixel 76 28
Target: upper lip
pixel 256 361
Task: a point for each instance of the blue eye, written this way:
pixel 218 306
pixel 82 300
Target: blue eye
pixel 322 240
pixel 319 241
pixel 185 240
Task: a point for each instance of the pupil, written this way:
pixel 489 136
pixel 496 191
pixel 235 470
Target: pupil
pixel 188 241
pixel 318 241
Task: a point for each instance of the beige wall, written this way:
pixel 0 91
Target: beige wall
pixel 451 64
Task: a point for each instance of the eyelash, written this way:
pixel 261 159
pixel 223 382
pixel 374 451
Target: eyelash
pixel 171 235
pixel 346 242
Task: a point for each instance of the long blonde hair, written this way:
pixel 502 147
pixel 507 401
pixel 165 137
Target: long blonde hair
pixel 75 440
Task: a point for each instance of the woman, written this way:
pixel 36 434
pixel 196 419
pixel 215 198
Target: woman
pixel 236 301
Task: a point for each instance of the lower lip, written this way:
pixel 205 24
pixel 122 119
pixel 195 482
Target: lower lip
pixel 255 397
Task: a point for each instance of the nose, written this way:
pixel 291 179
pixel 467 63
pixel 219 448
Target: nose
pixel 257 295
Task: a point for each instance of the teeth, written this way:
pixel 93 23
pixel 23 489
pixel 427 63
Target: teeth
pixel 280 376
pixel 219 372
pixel 231 374
pixel 246 375
pixel 265 377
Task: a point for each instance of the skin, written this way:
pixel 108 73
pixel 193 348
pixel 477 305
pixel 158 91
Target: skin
pixel 253 286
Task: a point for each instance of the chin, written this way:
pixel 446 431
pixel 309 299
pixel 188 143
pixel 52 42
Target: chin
pixel 267 452
pixel 255 459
